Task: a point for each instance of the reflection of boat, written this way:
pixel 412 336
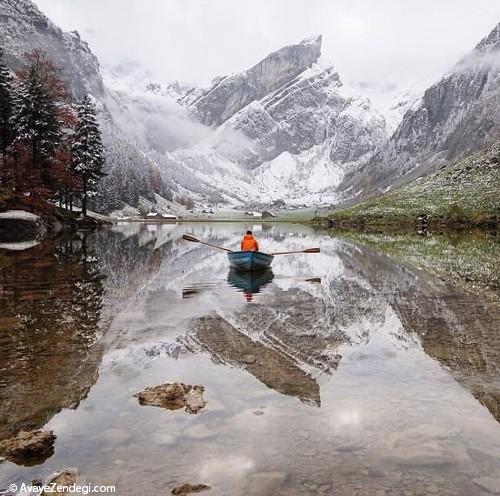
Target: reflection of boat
pixel 249 282
pixel 249 260
pixel 188 292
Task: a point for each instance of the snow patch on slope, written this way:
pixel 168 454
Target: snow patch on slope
pixel 302 177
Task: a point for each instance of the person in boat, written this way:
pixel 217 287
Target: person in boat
pixel 249 243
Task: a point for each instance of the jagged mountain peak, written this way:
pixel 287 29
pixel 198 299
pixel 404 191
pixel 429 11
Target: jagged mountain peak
pixel 227 95
pixel 313 40
pixel 490 42
pixel 304 54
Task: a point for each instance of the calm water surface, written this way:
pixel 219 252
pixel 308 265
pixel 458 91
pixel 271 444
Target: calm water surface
pixel 339 373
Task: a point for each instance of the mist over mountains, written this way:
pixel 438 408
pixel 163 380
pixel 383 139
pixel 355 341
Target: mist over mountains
pixel 286 130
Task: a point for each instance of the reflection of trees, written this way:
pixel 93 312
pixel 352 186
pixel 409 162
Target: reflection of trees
pixel 458 329
pixel 49 317
pixel 57 299
pixel 129 262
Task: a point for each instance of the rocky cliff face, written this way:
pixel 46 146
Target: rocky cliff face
pixel 229 94
pixel 457 114
pixel 291 122
pixel 23 28
pixel 312 108
pixel 455 117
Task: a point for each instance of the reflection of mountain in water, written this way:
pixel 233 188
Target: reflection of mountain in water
pixel 274 369
pixel 301 325
pixel 57 300
pixel 458 329
pixel 277 340
pixel 49 323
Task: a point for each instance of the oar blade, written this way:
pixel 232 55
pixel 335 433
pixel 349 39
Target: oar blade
pixel 187 237
pixel 307 250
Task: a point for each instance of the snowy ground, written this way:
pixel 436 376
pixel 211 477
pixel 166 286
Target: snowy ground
pixel 19 246
pixel 19 215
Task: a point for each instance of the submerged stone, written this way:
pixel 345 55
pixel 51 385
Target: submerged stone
pixel 173 396
pixel 61 479
pixel 28 447
pixel 189 489
pixel 266 483
pixel 491 484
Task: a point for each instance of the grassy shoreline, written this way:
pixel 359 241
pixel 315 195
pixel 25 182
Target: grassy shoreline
pixel 461 195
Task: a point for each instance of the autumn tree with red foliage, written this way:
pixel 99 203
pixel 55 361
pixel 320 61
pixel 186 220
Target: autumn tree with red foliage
pixel 36 163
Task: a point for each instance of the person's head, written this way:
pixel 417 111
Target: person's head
pixel 249 233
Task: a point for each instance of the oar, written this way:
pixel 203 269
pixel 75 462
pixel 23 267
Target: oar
pixel 187 237
pixel 307 250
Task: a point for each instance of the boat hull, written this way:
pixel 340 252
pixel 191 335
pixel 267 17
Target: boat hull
pixel 249 282
pixel 249 260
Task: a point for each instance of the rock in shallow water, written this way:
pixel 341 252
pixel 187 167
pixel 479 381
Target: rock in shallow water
pixel 265 483
pixel 189 489
pixel 491 484
pixel 173 396
pixel 28 447
pixel 65 478
pixel 425 445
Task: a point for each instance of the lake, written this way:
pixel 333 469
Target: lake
pixel 345 372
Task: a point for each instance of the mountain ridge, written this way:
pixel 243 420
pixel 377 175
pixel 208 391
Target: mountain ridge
pixel 456 116
pixel 229 94
pixel 288 128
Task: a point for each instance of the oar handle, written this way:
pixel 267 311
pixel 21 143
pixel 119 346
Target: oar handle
pixel 215 246
pixel 187 237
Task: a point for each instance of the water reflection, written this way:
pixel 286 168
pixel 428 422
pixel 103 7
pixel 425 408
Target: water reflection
pixel 49 324
pixel 249 283
pixel 278 371
pixel 372 376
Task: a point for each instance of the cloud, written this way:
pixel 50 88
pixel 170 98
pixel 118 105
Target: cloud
pixel 194 40
pixel 485 61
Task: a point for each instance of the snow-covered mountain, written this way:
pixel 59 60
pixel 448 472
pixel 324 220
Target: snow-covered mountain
pixel 230 94
pixel 291 122
pixel 23 28
pixel 454 117
pixel 286 129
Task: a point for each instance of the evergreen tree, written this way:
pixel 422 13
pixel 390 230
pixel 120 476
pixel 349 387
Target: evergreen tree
pixel 87 150
pixel 36 122
pixel 6 108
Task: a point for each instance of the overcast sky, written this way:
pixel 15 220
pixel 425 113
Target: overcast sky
pixel 396 41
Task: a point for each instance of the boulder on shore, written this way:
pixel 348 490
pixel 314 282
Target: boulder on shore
pixel 19 225
pixel 28 447
pixel 173 396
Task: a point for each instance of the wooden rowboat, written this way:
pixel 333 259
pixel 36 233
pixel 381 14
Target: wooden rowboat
pixel 249 260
